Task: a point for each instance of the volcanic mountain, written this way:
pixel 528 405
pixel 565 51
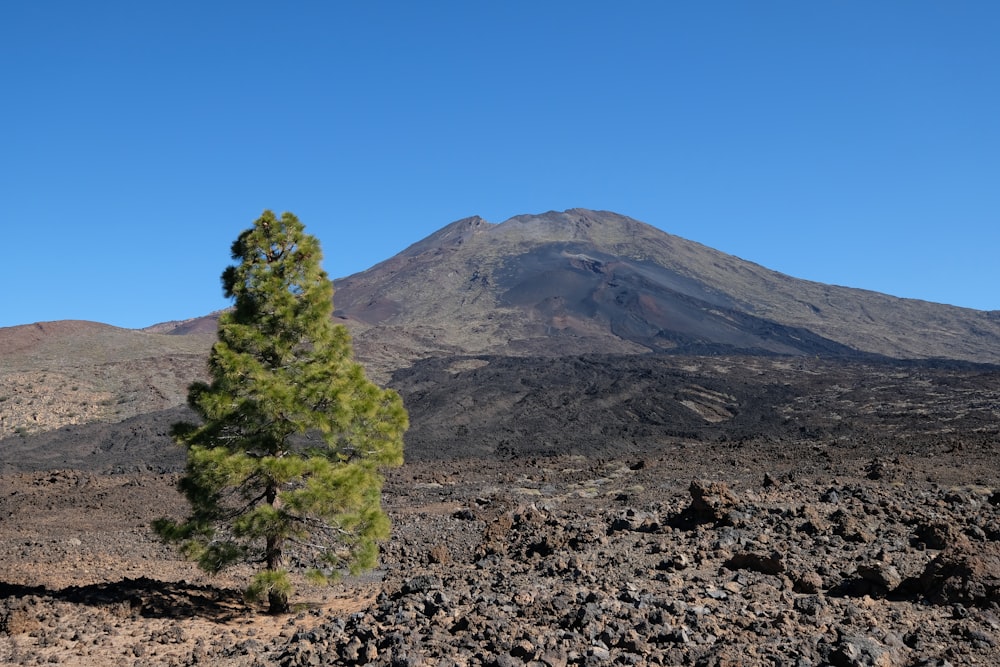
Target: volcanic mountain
pixel 594 281
pixel 584 281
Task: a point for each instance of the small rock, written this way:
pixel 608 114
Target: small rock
pixel 772 563
pixel 807 582
pixel 884 576
pixel 852 651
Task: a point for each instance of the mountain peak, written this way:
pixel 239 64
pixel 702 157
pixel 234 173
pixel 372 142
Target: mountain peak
pixel 571 219
pixel 454 234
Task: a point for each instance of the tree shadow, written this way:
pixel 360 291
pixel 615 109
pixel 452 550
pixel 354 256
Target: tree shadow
pixel 145 597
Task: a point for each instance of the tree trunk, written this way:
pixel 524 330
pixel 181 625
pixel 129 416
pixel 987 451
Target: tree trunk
pixel 277 601
pixel 272 553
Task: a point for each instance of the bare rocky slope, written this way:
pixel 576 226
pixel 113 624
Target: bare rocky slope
pixel 594 281
pixel 58 374
pixel 609 406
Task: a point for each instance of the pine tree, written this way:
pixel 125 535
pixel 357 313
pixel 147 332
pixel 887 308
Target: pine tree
pixel 287 457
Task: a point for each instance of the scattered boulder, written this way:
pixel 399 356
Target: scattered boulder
pixel 858 651
pixel 883 577
pixel 711 502
pixel 964 574
pixel 807 582
pixel 937 534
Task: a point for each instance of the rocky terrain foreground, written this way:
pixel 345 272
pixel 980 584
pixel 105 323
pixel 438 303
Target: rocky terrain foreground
pixel 704 555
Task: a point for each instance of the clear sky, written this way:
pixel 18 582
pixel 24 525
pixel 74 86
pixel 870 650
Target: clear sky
pixel 851 142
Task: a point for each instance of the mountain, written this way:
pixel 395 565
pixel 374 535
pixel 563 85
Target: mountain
pixel 585 281
pixel 535 286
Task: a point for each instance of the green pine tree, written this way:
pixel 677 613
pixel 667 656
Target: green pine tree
pixel 286 460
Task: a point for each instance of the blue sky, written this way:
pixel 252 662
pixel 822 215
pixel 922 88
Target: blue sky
pixel 854 143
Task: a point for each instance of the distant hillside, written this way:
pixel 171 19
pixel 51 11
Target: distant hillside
pixel 54 374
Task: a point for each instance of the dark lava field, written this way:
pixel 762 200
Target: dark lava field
pixel 590 510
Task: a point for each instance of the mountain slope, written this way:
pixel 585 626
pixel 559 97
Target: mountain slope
pixel 54 374
pixel 608 406
pixel 594 281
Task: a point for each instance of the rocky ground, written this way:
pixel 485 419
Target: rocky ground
pixel 660 510
pixel 706 555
